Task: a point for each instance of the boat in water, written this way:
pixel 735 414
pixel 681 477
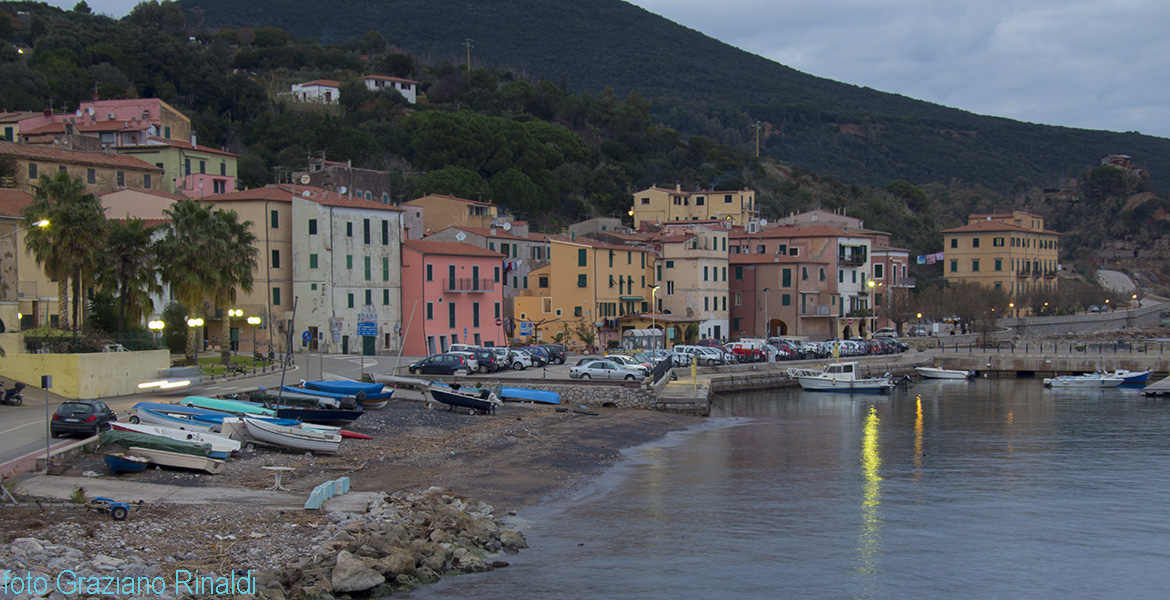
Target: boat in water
pixel 941 373
pixel 1090 380
pixel 1129 377
pixel 840 377
pixel 481 400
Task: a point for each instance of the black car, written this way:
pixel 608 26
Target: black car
pixel 488 362
pixel 87 417
pixel 556 353
pixel 540 356
pixel 441 364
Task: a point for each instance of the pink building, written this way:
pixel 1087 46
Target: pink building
pixel 455 294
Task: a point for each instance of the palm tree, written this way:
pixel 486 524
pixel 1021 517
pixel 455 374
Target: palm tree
pixel 207 256
pixel 130 269
pixel 67 247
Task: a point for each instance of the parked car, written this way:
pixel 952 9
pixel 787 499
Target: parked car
pixel 442 364
pixel 918 330
pixel 87 417
pixel 709 342
pixel 704 355
pixel 519 360
pixel 605 369
pixel 462 348
pixel 885 332
pixel 639 361
pixel 556 353
pixel 540 356
pixel 486 359
pixel 470 356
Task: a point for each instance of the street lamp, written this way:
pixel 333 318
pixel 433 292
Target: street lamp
pixel 1012 309
pixel 766 324
pixel 871 284
pixel 255 323
pixel 232 312
pixel 1136 304
pixel 157 327
pixel 653 311
pixel 193 323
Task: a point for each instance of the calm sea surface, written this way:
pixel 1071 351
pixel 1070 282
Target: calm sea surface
pixel 988 489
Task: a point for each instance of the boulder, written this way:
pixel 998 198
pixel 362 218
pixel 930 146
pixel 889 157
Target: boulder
pixel 512 540
pixel 397 563
pixel 352 574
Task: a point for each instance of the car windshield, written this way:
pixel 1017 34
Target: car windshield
pixel 74 408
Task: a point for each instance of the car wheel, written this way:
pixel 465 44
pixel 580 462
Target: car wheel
pixel 584 376
pixel 414 371
pixel 516 366
pixel 629 377
pixel 483 369
pixel 55 434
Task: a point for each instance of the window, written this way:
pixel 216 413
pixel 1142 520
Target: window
pixel 706 306
pixel 451 277
pixel 369 298
pixel 611 259
pixel 497 310
pixel 724 302
pixel 349 261
pixel 349 299
pixel 645 201
pixel 699 200
pixel 669 265
pixel 365 231
pixel 186 165
pixel 879 271
pixel 366 270
pixel 975 265
pixel 669 288
pixel 997 242
pixel 147 182
pixel 349 230
pixel 91 175
pixel 32 170
pixel 760 249
pixel 727 199
pixel 739 273
pixel 786 278
pixel 121 179
pixel 313 261
pixel 954 242
pixel 385 268
pixel 542 281
pixel 629 257
pixel 312 226
pixel 822 273
pixel 785 300
pixel 582 281
pixel 430 272
pixel 202 167
pixel 451 315
pixel 974 242
pixel 385 232
pixel 386 297
pixel 475 314
pixel 223 169
pixel 804 273
pixel 496 274
pixel 954 266
pixel 276 296
pixel 275 219
pixel 581 260
pixel 704 273
pixel 430 311
pixel 999 264
pixel 276 259
pixel 576 311
pixel 738 300
pixel 167 132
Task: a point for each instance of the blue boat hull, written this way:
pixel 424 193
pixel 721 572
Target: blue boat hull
pixel 373 391
pixel 120 465
pixel 529 395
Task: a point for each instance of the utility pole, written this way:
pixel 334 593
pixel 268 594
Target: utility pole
pixel 467 43
pixel 757 139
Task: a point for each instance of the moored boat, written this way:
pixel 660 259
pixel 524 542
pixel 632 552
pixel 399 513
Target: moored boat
pixel 1090 380
pixel 840 377
pixel 474 400
pixel 941 373
pixel 177 459
pixel 298 438
pixel 1129 377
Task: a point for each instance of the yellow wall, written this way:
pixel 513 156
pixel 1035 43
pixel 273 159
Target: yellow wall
pixel 94 375
pixel 441 212
pixel 661 205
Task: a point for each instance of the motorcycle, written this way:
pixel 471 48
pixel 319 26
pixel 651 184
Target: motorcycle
pixel 13 396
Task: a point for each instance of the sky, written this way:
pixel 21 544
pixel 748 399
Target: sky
pixel 1093 64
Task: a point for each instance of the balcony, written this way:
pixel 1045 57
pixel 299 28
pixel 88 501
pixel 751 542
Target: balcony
pixel 1024 274
pixel 1050 274
pixel 818 310
pixel 468 284
pixel 905 282
pixel 850 260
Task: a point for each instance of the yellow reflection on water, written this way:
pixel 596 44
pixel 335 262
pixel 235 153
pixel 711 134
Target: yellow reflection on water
pixel 918 440
pixel 869 543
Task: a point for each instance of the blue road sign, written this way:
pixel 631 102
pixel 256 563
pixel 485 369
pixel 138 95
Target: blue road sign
pixel 306 336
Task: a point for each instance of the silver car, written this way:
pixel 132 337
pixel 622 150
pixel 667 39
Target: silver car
pixel 604 369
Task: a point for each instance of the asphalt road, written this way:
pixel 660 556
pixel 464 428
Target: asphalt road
pixel 1116 281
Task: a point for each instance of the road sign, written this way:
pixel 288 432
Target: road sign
pixel 367 328
pixel 499 322
pixel 526 328
pixel 306 336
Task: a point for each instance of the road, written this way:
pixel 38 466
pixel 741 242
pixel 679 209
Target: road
pixel 1116 281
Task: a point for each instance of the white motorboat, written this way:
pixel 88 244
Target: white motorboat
pixel 221 445
pixel 1091 380
pixel 1128 377
pixel 940 373
pixel 296 437
pixel 175 459
pixel 841 377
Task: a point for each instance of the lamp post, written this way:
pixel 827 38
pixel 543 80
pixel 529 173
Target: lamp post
pixel 1012 308
pixel 157 327
pixel 42 223
pixel 766 324
pixel 255 323
pixel 193 323
pixel 653 311
pixel 232 313
pixel 1136 304
pixel 872 285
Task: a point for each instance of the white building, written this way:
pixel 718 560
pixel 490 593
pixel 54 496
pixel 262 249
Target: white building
pixel 323 91
pixel 405 87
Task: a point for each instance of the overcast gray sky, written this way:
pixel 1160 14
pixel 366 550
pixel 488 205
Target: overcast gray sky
pixel 1095 64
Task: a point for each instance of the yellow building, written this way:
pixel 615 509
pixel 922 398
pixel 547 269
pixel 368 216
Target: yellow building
pixel 586 284
pixel 1013 252
pixel 441 212
pixel 660 205
pixel 101 172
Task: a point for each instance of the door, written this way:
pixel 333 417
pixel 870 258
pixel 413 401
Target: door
pixel 313 341
pixel 368 344
pixel 345 344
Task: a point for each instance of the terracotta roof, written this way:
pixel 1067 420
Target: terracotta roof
pixel 789 231
pixel 691 193
pixel 284 192
pixel 12 201
pixel 449 248
pixel 385 78
pixel 487 233
pixel 985 216
pixel 159 193
pixel 41 152
pixel 746 259
pixel 186 145
pixel 321 83
pixel 990 226
pixel 18 115
pixel 592 243
pixel 457 199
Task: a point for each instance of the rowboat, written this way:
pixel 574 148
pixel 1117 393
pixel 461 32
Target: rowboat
pixel 840 377
pixel 321 415
pixel 292 437
pixel 514 394
pixel 176 459
pixel 1091 380
pixel 940 373
pixel 378 400
pixel 127 439
pixel 373 391
pixel 221 445
pixel 228 406
pixel 120 463
pixel 474 400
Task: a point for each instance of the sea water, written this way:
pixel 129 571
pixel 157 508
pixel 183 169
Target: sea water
pixel 948 489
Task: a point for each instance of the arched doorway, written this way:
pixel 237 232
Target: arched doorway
pixel 847 332
pixel 776 327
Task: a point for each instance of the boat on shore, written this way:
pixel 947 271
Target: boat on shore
pixel 120 463
pixel 840 377
pixel 128 439
pixel 349 387
pixel 177 459
pixel 221 445
pixel 298 438
pixel 941 373
pixel 481 400
pixel 514 394
pixel 228 406
pixel 1090 380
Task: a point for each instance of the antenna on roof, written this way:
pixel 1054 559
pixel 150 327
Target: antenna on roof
pixel 507 226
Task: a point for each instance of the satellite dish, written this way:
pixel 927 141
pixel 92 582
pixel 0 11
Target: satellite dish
pixel 763 222
pixel 89 110
pixel 507 226
pixel 305 179
pixel 305 193
pixel 341 190
pixel 461 236
pixel 78 113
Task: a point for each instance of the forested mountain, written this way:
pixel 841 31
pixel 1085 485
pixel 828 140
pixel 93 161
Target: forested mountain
pixel 699 85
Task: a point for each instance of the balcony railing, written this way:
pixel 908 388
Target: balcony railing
pixel 468 284
pixel 906 282
pixel 1024 273
pixel 1049 274
pixel 850 260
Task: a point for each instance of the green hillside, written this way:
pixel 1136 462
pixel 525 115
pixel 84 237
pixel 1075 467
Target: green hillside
pixel 700 85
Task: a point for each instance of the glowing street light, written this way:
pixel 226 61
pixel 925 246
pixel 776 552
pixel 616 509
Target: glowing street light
pixel 255 323
pixel 653 311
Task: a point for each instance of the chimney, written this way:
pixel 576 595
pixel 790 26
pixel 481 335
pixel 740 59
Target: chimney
pixel 48 113
pixel 677 187
pixel 192 139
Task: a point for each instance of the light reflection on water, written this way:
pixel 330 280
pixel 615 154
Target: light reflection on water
pixel 986 489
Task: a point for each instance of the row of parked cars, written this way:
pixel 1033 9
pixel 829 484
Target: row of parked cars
pixel 468 359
